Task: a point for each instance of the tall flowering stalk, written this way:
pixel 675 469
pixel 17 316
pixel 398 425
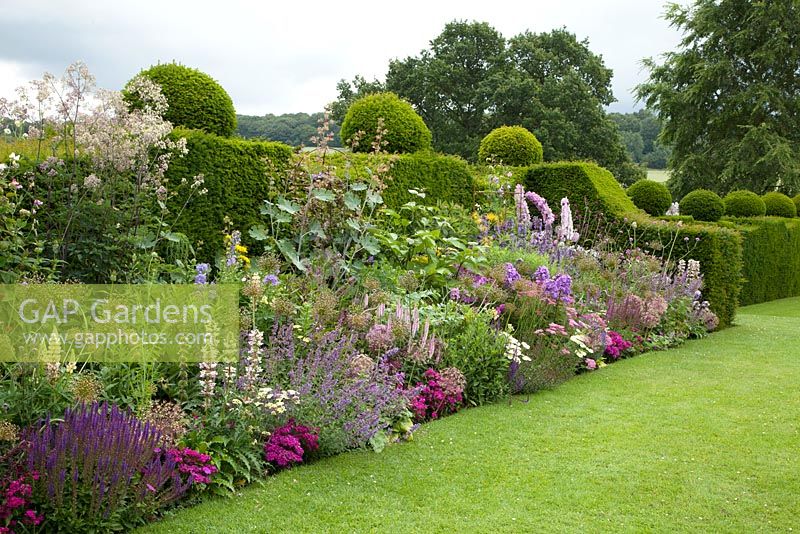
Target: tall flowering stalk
pixel 544 209
pixel 566 231
pixel 251 361
pixel 97 462
pixel 523 214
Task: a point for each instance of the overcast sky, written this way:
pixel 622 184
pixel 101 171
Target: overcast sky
pixel 282 57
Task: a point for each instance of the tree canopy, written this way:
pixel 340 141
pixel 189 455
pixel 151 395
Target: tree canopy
pixel 472 79
pixel 294 129
pixel 639 132
pixel 729 98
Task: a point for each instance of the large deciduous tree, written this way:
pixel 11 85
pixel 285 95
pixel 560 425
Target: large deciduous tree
pixel 453 84
pixel 558 88
pixel 729 98
pixel 472 80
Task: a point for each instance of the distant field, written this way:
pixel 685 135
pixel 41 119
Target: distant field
pixel 658 175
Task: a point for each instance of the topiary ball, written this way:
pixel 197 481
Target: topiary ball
pixel 653 197
pixel 195 99
pixel 779 205
pixel 703 205
pixel 511 145
pixel 744 204
pixel 796 200
pixel 405 131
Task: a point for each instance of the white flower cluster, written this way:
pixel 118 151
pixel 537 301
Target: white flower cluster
pixel 515 349
pixel 690 269
pixel 674 209
pixel 207 379
pixel 582 342
pixel 275 401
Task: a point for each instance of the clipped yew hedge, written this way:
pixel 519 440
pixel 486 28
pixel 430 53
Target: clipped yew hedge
pixel 236 177
pixel 771 248
pixel 445 179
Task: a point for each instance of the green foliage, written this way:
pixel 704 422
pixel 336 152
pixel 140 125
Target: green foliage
pixel 293 129
pixel 196 101
pixel 730 121
pixel 771 259
pixel 478 351
pixel 404 130
pixel 452 84
pixel 628 173
pixel 351 91
pixel 472 80
pixel 744 204
pixel 443 179
pixel 779 205
pixel 652 197
pixel 585 184
pixel 511 145
pixel 418 239
pixel 796 201
pixel 703 205
pixel 639 132
pixel 235 173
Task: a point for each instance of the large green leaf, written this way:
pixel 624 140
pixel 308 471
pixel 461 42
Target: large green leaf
pixel 325 195
pixel 259 233
pixel 290 253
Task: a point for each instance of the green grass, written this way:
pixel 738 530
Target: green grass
pixel 703 438
pixel 659 175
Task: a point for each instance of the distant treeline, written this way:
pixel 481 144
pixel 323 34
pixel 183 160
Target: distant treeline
pixel 639 131
pixel 294 129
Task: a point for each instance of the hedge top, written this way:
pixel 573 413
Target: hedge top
pixel 703 205
pixel 651 196
pixel 511 145
pixel 196 101
pixel 744 204
pixel 779 205
pixel 581 182
pixel 405 131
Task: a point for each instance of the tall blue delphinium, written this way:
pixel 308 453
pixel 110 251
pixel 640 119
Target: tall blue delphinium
pixel 98 467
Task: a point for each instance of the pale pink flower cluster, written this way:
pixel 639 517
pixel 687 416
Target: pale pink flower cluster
pixel 452 380
pixel 566 231
pixel 523 213
pixel 119 138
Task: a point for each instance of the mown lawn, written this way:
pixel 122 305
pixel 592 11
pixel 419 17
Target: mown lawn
pixel 659 175
pixel 704 438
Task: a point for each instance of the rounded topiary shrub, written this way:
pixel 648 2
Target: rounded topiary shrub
pixel 511 145
pixel 703 205
pixel 743 204
pixel 404 129
pixel 653 197
pixel 779 205
pixel 195 100
pixel 796 200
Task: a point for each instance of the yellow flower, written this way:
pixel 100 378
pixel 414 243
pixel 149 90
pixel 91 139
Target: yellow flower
pixel 492 217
